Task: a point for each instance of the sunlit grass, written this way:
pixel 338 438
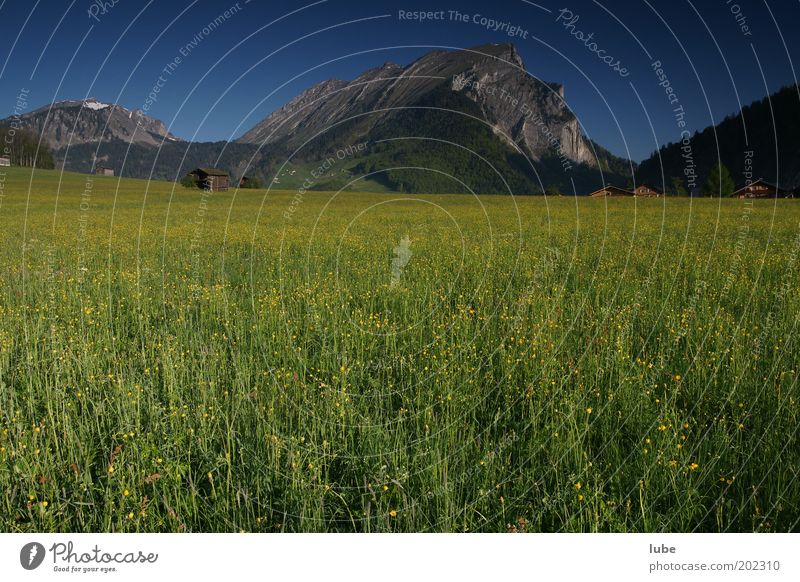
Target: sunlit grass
pixel 174 362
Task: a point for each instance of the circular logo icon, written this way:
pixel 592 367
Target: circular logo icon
pixel 31 555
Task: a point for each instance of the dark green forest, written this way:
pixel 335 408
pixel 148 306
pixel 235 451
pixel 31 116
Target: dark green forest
pixel 750 144
pixel 23 148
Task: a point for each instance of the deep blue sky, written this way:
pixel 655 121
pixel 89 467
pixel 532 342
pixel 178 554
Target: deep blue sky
pixel 712 65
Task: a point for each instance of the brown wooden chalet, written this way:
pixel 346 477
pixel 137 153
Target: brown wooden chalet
pixel 612 191
pixel 761 189
pixel 104 171
pixel 647 191
pixel 211 179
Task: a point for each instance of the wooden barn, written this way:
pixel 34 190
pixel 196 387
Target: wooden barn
pixel 211 179
pixel 104 171
pixel 612 191
pixel 5 161
pixel 647 191
pixel 245 182
pixel 761 189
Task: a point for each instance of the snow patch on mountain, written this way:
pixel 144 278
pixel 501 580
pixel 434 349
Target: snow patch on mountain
pixel 95 105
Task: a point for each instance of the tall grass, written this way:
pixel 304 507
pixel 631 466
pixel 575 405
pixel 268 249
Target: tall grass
pixel 176 363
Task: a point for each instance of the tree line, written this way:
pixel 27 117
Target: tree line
pixel 23 148
pixel 760 141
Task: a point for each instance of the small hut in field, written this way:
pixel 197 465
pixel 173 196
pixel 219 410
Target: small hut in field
pixel 212 179
pixel 612 191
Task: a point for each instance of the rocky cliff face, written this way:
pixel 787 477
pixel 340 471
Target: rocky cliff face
pixel 523 111
pixel 90 121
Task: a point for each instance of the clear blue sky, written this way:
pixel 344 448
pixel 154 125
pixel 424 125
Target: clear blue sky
pixel 261 56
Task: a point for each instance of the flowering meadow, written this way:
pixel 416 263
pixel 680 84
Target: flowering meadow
pixel 177 360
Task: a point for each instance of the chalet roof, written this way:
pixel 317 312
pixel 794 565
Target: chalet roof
pixel 646 185
pixel 211 172
pixel 759 181
pixel 612 187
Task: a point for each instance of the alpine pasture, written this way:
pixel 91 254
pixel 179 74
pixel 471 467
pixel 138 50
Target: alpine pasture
pixel 174 360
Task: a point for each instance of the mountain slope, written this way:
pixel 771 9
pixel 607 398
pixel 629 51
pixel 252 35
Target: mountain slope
pixel 750 144
pixel 521 110
pixel 89 121
pixel 171 161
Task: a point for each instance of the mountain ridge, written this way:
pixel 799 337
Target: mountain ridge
pixel 480 98
pixel 380 89
pixel 79 121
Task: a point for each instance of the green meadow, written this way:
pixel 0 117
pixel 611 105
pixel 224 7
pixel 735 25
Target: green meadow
pixel 173 360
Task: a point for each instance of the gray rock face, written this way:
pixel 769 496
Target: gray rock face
pixel 523 111
pixel 90 121
pixel 301 112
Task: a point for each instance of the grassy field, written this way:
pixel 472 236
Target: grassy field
pixel 178 361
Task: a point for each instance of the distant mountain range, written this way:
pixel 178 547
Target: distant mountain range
pixel 89 121
pixel 452 121
pixel 401 128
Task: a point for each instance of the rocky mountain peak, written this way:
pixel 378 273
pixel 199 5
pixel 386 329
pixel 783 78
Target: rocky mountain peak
pixel 503 52
pixel 79 121
pixel 525 112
